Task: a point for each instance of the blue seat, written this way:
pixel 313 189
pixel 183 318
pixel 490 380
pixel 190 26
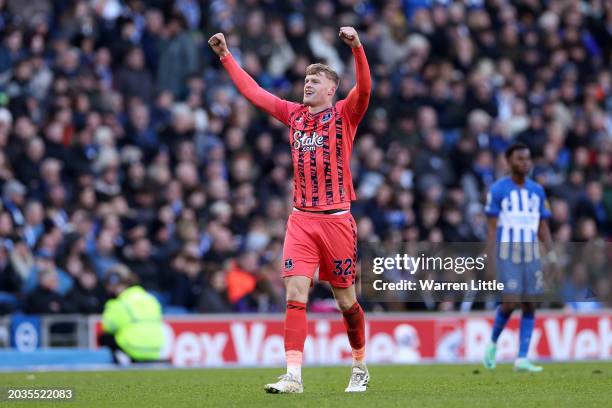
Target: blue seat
pixel 10 303
pixel 8 299
pixel 162 297
pixel 175 310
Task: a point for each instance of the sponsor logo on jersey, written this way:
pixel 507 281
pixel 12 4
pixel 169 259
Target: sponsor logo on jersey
pixel 326 117
pixel 306 141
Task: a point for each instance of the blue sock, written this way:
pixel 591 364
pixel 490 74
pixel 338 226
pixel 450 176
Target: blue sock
pixel 527 323
pixel 501 318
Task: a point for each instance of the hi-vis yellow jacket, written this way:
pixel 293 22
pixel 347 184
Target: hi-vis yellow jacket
pixel 135 318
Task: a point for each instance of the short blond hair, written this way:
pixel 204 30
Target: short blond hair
pixel 315 69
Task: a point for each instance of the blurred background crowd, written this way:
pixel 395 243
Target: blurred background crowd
pixel 123 140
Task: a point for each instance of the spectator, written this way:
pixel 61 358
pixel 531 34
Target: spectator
pixel 11 50
pixel 177 57
pixel 21 258
pixel 592 206
pixel 133 80
pixel 33 227
pixel 103 256
pixel 87 295
pixel 46 297
pixel 44 261
pixel 241 281
pixel 141 264
pixel 10 281
pixel 13 193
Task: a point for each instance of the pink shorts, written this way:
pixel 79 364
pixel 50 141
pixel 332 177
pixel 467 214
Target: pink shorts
pixel 327 241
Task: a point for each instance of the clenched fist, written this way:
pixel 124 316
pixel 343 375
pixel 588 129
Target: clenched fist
pixel 350 37
pixel 218 44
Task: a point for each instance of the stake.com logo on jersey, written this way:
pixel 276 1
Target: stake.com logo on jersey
pixel 306 141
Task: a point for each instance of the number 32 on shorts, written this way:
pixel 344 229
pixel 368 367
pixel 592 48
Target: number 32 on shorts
pixel 343 267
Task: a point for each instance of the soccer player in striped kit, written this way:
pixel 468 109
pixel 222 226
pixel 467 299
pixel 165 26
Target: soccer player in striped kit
pixel 321 232
pixel 517 211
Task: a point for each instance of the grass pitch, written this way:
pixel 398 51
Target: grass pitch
pixel 560 385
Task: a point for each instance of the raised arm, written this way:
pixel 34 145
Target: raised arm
pixel 246 85
pixel 359 96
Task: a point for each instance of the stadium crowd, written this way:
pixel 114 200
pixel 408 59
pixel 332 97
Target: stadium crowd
pixel 124 141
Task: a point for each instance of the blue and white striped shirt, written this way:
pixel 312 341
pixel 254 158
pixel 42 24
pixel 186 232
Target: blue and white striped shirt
pixel 519 210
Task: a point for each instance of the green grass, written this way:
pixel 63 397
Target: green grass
pixel 560 385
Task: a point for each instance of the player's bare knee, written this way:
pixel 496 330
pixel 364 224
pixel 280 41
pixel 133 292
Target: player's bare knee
pixel 297 295
pixel 297 289
pixel 345 298
pixel 345 304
